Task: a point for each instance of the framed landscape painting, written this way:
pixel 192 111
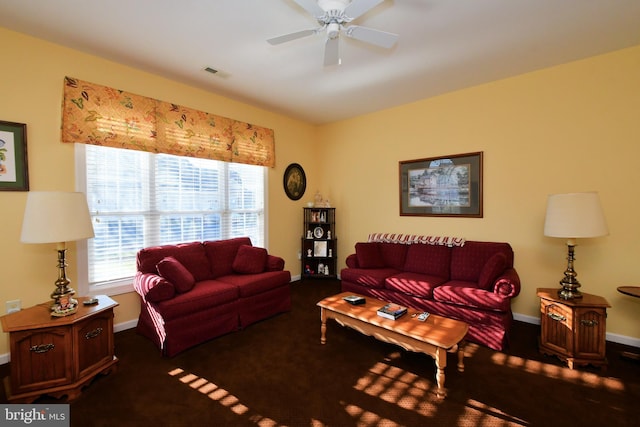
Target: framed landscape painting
pixel 14 175
pixel 447 186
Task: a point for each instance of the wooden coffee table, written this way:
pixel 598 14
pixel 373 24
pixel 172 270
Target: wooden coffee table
pixel 435 337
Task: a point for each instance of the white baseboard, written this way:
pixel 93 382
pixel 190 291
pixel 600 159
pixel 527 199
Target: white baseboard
pixel 125 325
pixel 526 319
pixel 617 338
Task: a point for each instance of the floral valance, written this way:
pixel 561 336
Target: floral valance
pixel 100 115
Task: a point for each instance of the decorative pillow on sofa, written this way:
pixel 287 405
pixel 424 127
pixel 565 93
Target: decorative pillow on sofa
pixel 491 270
pixel 250 260
pixel 369 256
pixel 176 273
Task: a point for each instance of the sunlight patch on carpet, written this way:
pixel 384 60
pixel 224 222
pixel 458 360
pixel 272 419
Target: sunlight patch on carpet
pixel 221 396
pixel 482 414
pixel 583 378
pixel 397 386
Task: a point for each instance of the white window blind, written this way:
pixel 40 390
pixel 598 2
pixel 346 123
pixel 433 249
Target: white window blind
pixel 139 199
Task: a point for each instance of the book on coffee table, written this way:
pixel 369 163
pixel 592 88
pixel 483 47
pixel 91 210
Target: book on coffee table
pixel 392 311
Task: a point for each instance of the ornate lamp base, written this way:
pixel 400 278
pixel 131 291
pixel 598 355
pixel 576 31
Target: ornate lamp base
pixel 569 293
pixel 63 302
pixel 570 283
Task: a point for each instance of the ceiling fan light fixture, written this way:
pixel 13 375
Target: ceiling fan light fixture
pixel 333 17
pixel 333 30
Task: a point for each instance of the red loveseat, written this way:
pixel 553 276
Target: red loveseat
pixel 193 292
pixel 469 281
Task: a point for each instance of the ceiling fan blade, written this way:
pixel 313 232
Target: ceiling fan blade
pixel 369 35
pixel 358 8
pixel 331 52
pixel 292 36
pixel 311 6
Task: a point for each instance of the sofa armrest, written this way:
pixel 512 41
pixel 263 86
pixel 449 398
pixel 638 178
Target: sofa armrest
pixel 275 263
pixel 152 287
pixel 352 261
pixel 507 284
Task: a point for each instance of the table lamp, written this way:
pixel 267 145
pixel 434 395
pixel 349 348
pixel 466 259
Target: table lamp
pixel 573 216
pixel 57 217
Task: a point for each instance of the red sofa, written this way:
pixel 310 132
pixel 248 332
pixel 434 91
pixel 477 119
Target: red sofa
pixel 193 292
pixel 470 281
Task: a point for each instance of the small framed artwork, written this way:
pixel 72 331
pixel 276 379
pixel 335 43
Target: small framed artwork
pixel 14 175
pixel 294 181
pixel 447 186
pixel 320 249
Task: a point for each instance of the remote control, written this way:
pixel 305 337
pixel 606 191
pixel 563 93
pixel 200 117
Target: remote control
pixel 354 300
pixel 423 316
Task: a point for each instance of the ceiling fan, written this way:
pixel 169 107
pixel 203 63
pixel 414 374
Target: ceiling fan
pixel 334 17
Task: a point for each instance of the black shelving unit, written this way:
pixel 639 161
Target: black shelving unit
pixel 319 244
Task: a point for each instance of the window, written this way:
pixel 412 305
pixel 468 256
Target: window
pixel 139 199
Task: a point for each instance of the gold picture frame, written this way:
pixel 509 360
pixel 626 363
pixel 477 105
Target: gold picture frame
pixel 446 186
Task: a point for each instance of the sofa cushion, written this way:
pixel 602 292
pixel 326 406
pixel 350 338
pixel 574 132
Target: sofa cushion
pixel 368 255
pixel 222 253
pixel 176 273
pixel 415 284
pixel 493 268
pixel 250 260
pixel 204 295
pixel 369 277
pixel 468 294
pixel 191 255
pixel 253 284
pixel 153 287
pixel 433 260
pixel 393 254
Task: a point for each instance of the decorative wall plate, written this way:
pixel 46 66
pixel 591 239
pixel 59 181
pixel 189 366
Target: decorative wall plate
pixel 294 181
pixel 318 232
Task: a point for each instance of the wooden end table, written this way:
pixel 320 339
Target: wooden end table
pixel 435 337
pixel 573 330
pixel 58 356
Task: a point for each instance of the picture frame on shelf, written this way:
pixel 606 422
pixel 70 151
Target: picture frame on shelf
pixel 320 249
pixel 445 186
pixel 14 173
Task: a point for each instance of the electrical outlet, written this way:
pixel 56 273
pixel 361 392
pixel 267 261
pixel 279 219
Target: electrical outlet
pixel 299 255
pixel 13 306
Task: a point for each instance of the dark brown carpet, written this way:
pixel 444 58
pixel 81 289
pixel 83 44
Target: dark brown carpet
pixel 276 373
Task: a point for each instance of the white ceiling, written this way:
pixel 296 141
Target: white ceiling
pixel 444 45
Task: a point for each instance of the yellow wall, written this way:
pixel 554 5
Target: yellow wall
pixel 575 127
pixel 569 128
pixel 31 79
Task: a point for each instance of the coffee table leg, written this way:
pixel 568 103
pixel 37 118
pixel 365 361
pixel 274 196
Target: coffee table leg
pixel 461 346
pixel 323 326
pixel 441 364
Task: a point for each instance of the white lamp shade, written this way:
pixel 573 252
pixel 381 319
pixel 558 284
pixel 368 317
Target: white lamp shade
pixel 56 217
pixel 575 215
